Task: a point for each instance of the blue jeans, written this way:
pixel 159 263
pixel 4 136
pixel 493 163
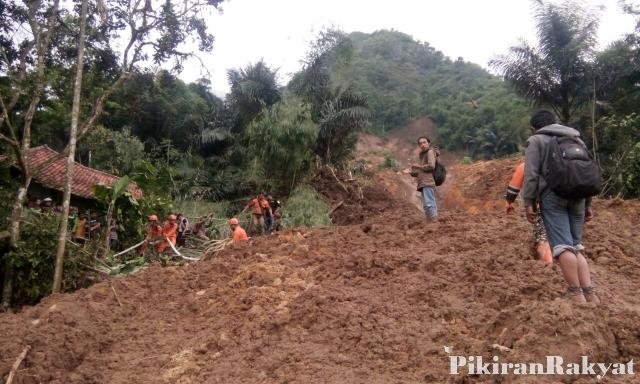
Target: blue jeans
pixel 564 221
pixel 429 202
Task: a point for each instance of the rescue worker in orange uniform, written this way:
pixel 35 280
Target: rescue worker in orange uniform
pixel 154 232
pixel 540 235
pixel 257 205
pixel 169 231
pixel 238 234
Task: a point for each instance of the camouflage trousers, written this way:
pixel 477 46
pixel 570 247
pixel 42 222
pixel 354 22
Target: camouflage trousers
pixel 539 233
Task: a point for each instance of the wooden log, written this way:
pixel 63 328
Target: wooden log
pixel 115 294
pixel 15 366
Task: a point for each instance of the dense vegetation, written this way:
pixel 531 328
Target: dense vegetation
pixel 404 79
pixel 595 92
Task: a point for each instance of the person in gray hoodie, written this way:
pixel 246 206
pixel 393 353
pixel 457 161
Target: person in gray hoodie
pixel 563 218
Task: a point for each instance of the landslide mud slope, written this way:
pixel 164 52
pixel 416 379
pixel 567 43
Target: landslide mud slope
pixel 373 302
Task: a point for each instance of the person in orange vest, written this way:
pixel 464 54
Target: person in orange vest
pixel 238 234
pixel 154 232
pixel 267 212
pixel 540 235
pixel 169 231
pixel 257 205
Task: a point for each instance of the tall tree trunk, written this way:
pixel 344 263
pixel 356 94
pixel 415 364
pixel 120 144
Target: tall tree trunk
pixel 14 235
pixel 41 43
pixel 593 124
pixel 107 237
pixel 75 113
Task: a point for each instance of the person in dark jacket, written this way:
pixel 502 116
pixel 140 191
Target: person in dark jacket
pixel 563 218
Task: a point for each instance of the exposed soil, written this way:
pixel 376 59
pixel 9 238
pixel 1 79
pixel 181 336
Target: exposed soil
pixel 354 201
pixel 374 301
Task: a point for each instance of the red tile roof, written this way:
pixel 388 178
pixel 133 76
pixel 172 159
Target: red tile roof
pixel 52 174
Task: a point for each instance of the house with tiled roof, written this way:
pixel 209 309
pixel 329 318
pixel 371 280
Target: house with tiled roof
pixel 49 174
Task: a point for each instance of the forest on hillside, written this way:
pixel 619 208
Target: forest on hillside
pixel 404 79
pixel 68 83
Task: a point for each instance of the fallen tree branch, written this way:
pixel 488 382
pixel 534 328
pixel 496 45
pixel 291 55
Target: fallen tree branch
pixel 115 294
pixel 15 366
pixel 80 248
pixel 338 180
pixel 340 204
pixel 95 269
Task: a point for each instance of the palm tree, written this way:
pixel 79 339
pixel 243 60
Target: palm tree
pixel 253 88
pixel 558 71
pixel 341 117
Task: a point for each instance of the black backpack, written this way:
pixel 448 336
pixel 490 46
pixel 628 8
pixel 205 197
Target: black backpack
pixel 569 169
pixel 439 173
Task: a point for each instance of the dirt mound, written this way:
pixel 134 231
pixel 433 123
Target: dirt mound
pixel 372 302
pixel 479 186
pixel 354 200
pixel 369 303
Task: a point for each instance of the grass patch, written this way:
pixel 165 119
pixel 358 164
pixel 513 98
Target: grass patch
pixel 390 163
pixel 304 207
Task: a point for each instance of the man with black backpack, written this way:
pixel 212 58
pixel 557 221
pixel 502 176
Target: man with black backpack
pixel 425 172
pixel 561 176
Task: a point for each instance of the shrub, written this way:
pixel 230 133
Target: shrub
pixel 304 207
pixel 34 260
pixel 390 163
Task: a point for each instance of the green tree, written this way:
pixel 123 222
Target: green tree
pixel 253 88
pixel 110 195
pixel 558 71
pixel 339 111
pixel 27 35
pixel 341 118
pixel 282 140
pixel 116 152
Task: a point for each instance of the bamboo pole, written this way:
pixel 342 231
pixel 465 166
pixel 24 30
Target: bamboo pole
pixel 130 248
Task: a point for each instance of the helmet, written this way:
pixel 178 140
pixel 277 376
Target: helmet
pixel 153 218
pixel 233 221
pixel 172 217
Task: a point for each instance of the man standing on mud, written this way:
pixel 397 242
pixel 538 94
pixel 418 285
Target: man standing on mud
pixel 423 172
pixel 256 204
pixel 563 218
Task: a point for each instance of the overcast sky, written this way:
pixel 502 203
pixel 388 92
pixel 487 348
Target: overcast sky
pixel 279 31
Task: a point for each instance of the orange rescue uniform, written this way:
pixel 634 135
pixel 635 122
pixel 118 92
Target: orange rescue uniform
pixel 154 232
pixel 169 230
pixel 239 235
pixel 517 181
pixel 256 206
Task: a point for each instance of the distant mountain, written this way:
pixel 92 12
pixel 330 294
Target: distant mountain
pixel 404 79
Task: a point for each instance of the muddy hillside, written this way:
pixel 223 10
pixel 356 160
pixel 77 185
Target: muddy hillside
pixel 374 299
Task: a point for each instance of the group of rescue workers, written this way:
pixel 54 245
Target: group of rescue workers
pixel 265 219
pixel 160 235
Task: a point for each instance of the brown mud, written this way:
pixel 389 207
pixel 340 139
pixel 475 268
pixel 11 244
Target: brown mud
pixel 374 300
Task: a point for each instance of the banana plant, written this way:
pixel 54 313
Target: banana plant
pixel 110 195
